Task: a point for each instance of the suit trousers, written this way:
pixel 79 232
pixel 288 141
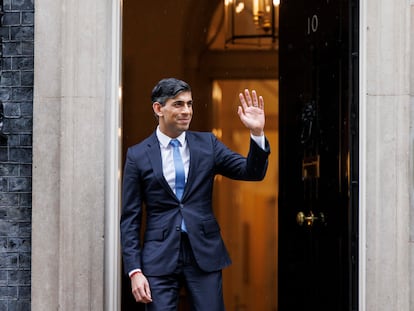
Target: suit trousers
pixel 204 289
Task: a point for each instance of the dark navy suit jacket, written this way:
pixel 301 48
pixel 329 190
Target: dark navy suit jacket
pixel 144 185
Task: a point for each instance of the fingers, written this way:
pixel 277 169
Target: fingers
pixel 143 295
pixel 254 95
pixel 141 289
pixel 261 102
pixel 147 292
pixel 240 112
pixel 249 101
pixel 242 101
pixel 252 100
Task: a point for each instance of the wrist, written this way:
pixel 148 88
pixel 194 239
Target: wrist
pixel 135 272
pixel 257 133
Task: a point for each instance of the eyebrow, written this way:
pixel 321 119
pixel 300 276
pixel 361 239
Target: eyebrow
pixel 183 102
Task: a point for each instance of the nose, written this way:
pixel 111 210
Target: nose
pixel 186 108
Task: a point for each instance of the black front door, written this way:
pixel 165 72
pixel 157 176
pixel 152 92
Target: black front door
pixel 318 155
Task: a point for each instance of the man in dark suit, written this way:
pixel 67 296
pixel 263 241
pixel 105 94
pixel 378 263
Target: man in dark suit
pixel 182 244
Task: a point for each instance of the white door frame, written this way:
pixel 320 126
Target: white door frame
pixel 113 273
pixel 362 159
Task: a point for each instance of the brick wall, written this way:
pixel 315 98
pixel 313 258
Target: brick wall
pixel 16 96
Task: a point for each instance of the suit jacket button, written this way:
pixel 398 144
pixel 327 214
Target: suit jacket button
pixel 177 228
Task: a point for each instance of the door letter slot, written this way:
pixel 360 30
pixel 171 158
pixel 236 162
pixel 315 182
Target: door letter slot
pixel 310 167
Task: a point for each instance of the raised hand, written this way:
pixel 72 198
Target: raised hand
pixel 251 112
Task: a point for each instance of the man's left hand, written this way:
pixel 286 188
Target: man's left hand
pixel 251 112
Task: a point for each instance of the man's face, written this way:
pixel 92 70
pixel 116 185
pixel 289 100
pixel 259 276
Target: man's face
pixel 175 116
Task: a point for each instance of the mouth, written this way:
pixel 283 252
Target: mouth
pixel 185 121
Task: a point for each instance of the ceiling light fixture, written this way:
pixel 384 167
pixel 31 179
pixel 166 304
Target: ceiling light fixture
pixel 251 22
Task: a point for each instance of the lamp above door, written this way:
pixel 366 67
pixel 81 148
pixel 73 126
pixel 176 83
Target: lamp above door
pixel 252 22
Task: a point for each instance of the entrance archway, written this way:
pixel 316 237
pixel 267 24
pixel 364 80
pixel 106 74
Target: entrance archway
pixel 160 51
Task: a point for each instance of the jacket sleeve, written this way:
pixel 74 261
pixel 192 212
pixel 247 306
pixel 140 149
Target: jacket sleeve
pixel 235 166
pixel 131 216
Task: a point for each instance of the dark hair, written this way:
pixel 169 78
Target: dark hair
pixel 168 88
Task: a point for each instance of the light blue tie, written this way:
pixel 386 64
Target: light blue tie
pixel 179 174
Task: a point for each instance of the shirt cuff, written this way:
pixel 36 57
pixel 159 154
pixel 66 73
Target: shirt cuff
pixel 259 140
pixel 134 271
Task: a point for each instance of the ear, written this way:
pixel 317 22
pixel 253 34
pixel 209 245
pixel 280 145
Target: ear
pixel 156 106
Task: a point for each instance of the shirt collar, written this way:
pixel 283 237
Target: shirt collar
pixel 165 140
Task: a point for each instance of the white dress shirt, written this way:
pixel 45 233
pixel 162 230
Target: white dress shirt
pixel 167 156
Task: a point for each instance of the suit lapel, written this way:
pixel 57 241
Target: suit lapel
pixel 194 147
pixel 154 155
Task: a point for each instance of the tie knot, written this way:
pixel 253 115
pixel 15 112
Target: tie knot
pixel 175 143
